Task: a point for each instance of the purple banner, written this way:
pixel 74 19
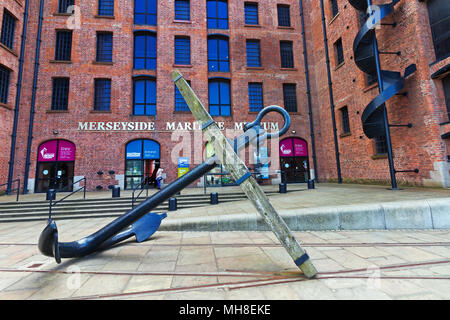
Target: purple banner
pixel 286 149
pixel 66 151
pixel 47 151
pixel 300 147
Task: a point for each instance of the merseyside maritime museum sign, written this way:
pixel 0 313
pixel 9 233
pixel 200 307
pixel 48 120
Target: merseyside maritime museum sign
pixel 169 126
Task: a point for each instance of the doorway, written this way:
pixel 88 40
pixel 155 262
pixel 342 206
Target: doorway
pixel 142 163
pixel 294 161
pixel 55 167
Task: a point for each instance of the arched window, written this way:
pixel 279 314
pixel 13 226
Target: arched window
pixel 217 14
pixel 145 12
pixel 145 50
pixel 144 89
pixel 218 54
pixel 219 97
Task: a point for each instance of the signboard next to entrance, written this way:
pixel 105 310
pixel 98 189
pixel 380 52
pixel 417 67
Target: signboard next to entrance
pixel 183 166
pixel 48 151
pixel 293 148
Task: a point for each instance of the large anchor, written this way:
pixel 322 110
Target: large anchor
pixel 142 223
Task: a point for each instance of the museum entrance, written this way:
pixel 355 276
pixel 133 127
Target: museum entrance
pixel 55 167
pixel 142 163
pixel 294 162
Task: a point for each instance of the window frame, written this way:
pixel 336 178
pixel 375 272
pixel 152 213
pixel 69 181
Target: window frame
pixel 220 105
pixel 101 8
pixel 60 95
pixel 8 29
pixel 217 19
pixel 218 38
pixel 284 15
pixel 437 34
pixel 345 120
pixel 182 57
pixel 148 15
pixel 151 55
pixel 255 98
pixel 63 44
pixel 339 51
pixel 180 8
pixel 253 57
pixel 5 78
pixel 334 7
pixel 65 4
pixel 287 56
pixel 286 98
pixel 101 51
pixel 249 14
pixel 145 103
pixel 99 97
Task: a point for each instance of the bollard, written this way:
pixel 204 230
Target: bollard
pixel 310 184
pixel 214 198
pixel 283 187
pixel 172 204
pixel 115 192
pixel 51 194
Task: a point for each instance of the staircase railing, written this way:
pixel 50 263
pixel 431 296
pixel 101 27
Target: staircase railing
pixel 17 190
pixel 142 186
pixel 53 203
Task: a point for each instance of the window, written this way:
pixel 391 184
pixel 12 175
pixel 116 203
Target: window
pixel 251 13
pixel 8 26
pixel 290 97
pixel 145 12
pixel 339 51
pixel 180 103
pixel 145 50
pixel 287 56
pixel 219 97
pixel 144 97
pixel 381 145
pixel 60 94
pixel 217 14
pixel 439 14
pixel 4 84
pixel 63 49
pixel 183 50
pixel 446 83
pixel 106 8
pixel 182 10
pixel 253 53
pixel 334 8
pixel 63 5
pixel 104 46
pixel 345 120
pixel 255 97
pixel 284 15
pixel 218 59
pixel 102 95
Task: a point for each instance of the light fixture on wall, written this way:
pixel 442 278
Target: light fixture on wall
pixel 55 132
pixel 294 132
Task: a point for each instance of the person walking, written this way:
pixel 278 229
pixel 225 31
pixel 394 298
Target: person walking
pixel 159 177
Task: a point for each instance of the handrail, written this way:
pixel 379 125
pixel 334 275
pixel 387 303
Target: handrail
pixel 18 187
pixel 54 203
pixel 144 182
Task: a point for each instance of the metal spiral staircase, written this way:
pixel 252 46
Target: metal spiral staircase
pixel 366 55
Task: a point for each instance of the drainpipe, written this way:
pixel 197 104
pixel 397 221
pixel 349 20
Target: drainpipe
pixel 33 98
pixel 308 93
pixel 17 105
pixel 330 89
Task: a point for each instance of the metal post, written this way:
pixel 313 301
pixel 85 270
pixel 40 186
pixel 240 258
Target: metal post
pixel 385 115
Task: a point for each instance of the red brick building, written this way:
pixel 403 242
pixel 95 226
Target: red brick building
pixel 97 100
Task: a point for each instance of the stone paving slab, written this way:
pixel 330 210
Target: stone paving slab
pixel 361 264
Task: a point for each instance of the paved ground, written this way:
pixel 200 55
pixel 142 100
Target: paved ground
pixel 228 265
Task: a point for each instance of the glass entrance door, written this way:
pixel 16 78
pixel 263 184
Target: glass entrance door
pixel 55 175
